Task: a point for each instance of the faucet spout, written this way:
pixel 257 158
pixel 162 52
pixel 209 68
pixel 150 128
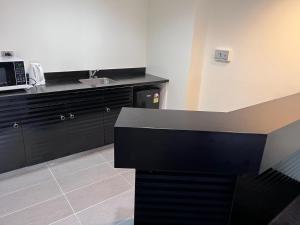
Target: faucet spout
pixel 92 73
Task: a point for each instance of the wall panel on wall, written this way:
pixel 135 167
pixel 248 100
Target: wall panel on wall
pixel 69 35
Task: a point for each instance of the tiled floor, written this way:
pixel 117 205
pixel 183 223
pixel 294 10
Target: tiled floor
pixel 82 189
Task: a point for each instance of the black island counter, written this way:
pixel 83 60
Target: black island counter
pixel 212 168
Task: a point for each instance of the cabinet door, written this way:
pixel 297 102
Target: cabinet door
pixel 84 128
pixel 114 100
pixel 12 152
pixel 43 130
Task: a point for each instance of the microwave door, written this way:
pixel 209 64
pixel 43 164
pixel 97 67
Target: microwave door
pixel 3 77
pixel 7 74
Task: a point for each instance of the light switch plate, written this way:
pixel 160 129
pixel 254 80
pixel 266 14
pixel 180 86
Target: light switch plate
pixel 223 55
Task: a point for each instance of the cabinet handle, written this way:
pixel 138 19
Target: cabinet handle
pixel 62 117
pixel 16 125
pixel 107 109
pixel 71 116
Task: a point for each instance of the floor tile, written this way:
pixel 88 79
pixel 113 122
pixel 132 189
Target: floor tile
pixel 113 211
pixel 122 204
pixel 75 163
pixel 42 214
pixel 108 153
pixel 27 197
pixel 22 178
pixel 96 193
pixel 86 177
pixel 71 220
pixel 130 177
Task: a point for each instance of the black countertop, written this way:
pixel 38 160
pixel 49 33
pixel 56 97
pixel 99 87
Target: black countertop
pixel 68 83
pixel 262 118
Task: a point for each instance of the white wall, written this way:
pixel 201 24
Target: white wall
pixel 76 34
pixel 265 38
pixel 170 35
pixel 173 38
pixel 263 34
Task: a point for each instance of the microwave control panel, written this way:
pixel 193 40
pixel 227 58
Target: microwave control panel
pixel 20 73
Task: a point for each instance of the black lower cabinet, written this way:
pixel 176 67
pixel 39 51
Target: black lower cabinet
pixel 84 132
pixel 71 124
pixel 44 133
pixel 110 118
pixel 84 128
pixel 11 147
pixel 57 125
pixel 114 100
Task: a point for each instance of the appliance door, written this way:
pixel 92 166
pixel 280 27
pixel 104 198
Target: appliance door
pixel 148 98
pixel 7 74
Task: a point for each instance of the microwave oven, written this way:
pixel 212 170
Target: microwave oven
pixel 12 74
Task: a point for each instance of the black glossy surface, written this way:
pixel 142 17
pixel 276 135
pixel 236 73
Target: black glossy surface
pixel 69 81
pixel 12 152
pixel 259 119
pixel 186 141
pixel 230 143
pixel 38 128
pixel 47 136
pixel 259 199
pixel 177 198
pixel 178 150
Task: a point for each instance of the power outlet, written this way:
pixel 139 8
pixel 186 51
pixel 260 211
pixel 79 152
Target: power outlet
pixel 223 55
pixel 7 53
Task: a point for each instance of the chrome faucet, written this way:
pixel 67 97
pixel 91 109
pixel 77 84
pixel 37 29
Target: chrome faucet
pixel 92 73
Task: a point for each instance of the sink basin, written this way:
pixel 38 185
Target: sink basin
pixel 95 82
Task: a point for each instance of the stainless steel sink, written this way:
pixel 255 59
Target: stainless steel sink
pixel 96 82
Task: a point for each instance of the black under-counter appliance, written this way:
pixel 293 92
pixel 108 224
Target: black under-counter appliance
pixel 147 98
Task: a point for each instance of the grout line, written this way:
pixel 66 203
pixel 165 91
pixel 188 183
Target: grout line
pixel 63 194
pixel 81 170
pixel 128 182
pixel 53 178
pixel 72 157
pixel 27 187
pixel 102 157
pixel 90 184
pixel 65 218
pixel 48 167
pixel 72 173
pixel 31 185
pixel 19 210
pixel 99 203
pixel 61 190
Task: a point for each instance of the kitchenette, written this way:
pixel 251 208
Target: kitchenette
pixel 69 112
pixel 149 112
